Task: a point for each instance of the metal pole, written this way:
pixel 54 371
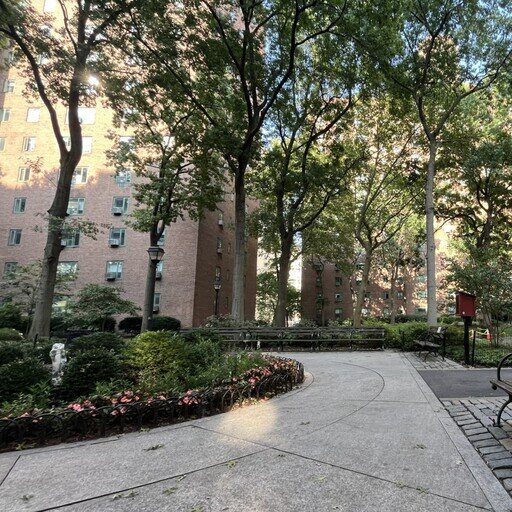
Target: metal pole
pixel 149 296
pixel 216 309
pixel 473 351
pixel 467 324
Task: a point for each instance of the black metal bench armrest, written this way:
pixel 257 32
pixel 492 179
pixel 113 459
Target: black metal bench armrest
pixel 501 364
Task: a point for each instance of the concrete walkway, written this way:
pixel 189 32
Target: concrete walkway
pixel 364 433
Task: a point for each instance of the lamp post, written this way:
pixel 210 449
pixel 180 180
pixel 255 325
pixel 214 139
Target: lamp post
pixel 216 287
pixel 155 255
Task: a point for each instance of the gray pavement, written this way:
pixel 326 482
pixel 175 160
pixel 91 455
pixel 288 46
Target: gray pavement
pixel 364 433
pixel 461 384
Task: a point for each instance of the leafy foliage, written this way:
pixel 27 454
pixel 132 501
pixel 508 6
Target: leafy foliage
pixel 99 340
pixel 164 323
pixel 19 375
pixel 96 303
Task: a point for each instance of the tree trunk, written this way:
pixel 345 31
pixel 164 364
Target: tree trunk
pixel 57 214
pixel 238 305
pixel 282 282
pixel 362 289
pixel 431 242
pixel 149 296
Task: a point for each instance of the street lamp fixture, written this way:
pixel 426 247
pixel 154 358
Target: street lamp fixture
pixel 156 253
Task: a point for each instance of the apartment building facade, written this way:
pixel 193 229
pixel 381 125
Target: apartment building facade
pixel 197 254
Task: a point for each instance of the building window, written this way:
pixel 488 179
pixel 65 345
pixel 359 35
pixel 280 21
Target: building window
pixel 385 295
pixel 117 236
pixel 29 143
pixel 337 297
pixel 9 267
pixel 161 240
pixel 5 114
pixel 338 312
pixel 420 311
pixel 168 141
pixel 400 295
pixel 156 302
pixel 33 115
pixel 318 281
pixel 67 268
pixel 359 266
pixel 219 245
pixel 9 85
pixel 337 281
pixel 422 278
pixel 221 219
pixel 19 205
pixel 42 59
pixel 67 142
pixel 2 143
pixel 71 239
pixel 217 273
pixel 124 177
pixel 80 176
pixel 76 206
pixel 386 312
pixel 160 266
pixel 421 294
pixel 359 281
pixel 319 296
pixel 86 115
pixel 367 295
pixel 114 270
pixel 120 205
pixel 49 5
pixel 23 174
pixel 86 145
pixel 14 237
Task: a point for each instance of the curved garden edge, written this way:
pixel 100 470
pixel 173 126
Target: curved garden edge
pixel 127 412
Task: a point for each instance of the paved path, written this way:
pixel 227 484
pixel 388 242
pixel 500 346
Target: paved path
pixel 364 433
pixel 462 384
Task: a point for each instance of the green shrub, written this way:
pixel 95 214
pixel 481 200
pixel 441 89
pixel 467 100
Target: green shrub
pixel 131 324
pixel 164 323
pixel 10 335
pixel 85 369
pixel 109 326
pixel 106 340
pixel 402 336
pixel 401 319
pixel 164 361
pixel 42 348
pixel 18 376
pixel 10 316
pixel 38 397
pixel 11 351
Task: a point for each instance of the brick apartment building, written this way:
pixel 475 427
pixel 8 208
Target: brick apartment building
pixel 196 253
pixel 327 294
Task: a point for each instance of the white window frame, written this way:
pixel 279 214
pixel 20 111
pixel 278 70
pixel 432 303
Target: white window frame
pixel 5 114
pixel 2 143
pixel 124 177
pixel 23 174
pixel 72 239
pixel 14 237
pixel 80 176
pixel 67 268
pixel 120 199
pixel 33 114
pixel 118 234
pixel 115 266
pixel 9 85
pixel 9 267
pixel 76 203
pixel 86 145
pixel 86 115
pixel 29 144
pixel 20 204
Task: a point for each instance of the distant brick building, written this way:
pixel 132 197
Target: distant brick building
pixel 196 253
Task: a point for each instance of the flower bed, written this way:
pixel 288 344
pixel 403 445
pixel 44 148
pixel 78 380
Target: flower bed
pixel 130 410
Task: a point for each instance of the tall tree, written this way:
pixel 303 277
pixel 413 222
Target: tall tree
pixel 231 60
pixel 451 50
pixel 385 188
pixel 308 162
pixel 59 55
pixel 178 176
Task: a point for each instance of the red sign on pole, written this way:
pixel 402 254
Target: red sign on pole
pixel 465 304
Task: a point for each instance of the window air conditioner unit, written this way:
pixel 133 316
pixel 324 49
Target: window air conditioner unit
pixel 221 222
pixel 63 243
pixel 117 210
pixel 156 309
pixel 219 250
pixel 158 275
pixel 72 211
pixel 114 242
pixel 111 276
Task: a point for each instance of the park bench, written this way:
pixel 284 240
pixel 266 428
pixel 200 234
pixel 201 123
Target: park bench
pixel 302 338
pixel 505 385
pixel 433 340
